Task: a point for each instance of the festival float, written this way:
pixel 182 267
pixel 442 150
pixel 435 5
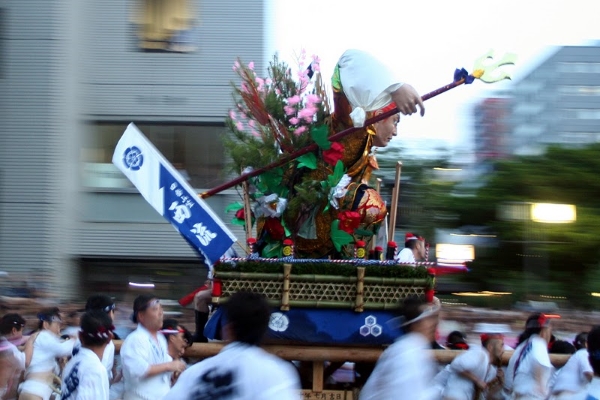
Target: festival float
pixel 314 219
pixel 316 239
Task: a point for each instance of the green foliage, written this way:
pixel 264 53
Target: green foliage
pixel 319 135
pixel 541 259
pixel 325 268
pixel 308 160
pixel 338 236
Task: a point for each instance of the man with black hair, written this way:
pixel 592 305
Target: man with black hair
pixel 406 370
pixel 8 367
pixel 576 374
pixel 529 369
pixel 414 249
pixel 178 339
pixel 11 331
pixel 84 376
pixel 147 366
pixel 457 340
pixel 475 369
pixel 593 347
pixel 105 304
pixel 241 370
pixel 12 327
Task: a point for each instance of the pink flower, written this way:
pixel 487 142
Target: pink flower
pixel 255 133
pixel 289 110
pixel 232 115
pixel 300 131
pixel 294 121
pixel 292 101
pixel 252 123
pixel 307 113
pixel 261 84
pixel 239 126
pixel 312 99
pixel 236 66
pixel 251 65
pixel 245 88
pixel 268 81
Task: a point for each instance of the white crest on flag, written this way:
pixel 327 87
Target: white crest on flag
pixel 163 187
pixel 181 212
pixel 204 235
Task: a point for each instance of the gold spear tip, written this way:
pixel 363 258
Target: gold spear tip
pixel 490 72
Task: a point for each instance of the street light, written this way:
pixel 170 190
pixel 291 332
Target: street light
pixel 536 212
pixel 553 213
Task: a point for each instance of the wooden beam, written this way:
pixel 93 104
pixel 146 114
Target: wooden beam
pixel 318 370
pixel 336 353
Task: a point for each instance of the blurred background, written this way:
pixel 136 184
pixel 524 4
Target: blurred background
pixel 506 174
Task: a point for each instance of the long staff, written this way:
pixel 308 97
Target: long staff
pixel 485 72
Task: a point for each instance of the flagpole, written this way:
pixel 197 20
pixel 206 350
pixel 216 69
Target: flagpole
pixel 394 205
pixel 484 70
pixel 312 147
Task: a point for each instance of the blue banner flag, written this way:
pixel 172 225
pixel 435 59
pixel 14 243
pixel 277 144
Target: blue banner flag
pixel 170 194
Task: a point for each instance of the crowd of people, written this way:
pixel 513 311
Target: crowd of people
pixel 81 364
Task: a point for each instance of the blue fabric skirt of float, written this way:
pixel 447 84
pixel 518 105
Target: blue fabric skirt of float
pixel 322 326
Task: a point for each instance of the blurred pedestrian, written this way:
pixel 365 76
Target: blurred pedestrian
pixel 147 366
pixel 42 350
pixel 85 377
pixel 414 249
pixel 11 332
pixel 472 372
pixel 12 327
pixel 72 322
pixel 8 370
pixel 593 346
pixel 406 369
pixel 202 301
pixel 241 370
pixel 456 340
pixel 574 377
pixel 561 347
pixel 178 339
pixel 105 304
pixel 529 369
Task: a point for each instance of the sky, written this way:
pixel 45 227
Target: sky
pixel 426 40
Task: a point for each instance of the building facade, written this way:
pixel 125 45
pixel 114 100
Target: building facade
pixel 557 102
pixel 74 75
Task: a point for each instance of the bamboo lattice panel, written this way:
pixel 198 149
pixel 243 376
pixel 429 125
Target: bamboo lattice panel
pixel 389 294
pixel 270 288
pixel 322 291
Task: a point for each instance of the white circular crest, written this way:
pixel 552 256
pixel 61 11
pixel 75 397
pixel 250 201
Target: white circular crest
pixel 279 322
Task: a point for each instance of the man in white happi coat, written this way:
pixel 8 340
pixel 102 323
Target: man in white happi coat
pixel 147 366
pixel 406 369
pixel 472 372
pixel 241 370
pixel 575 376
pixel 414 249
pixel 529 369
pixel 84 376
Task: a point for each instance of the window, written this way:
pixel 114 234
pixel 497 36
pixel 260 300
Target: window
pixel 574 90
pixel 3 41
pixel 165 25
pixel 579 67
pixel 196 151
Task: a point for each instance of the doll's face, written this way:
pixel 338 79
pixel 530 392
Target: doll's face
pixel 386 130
